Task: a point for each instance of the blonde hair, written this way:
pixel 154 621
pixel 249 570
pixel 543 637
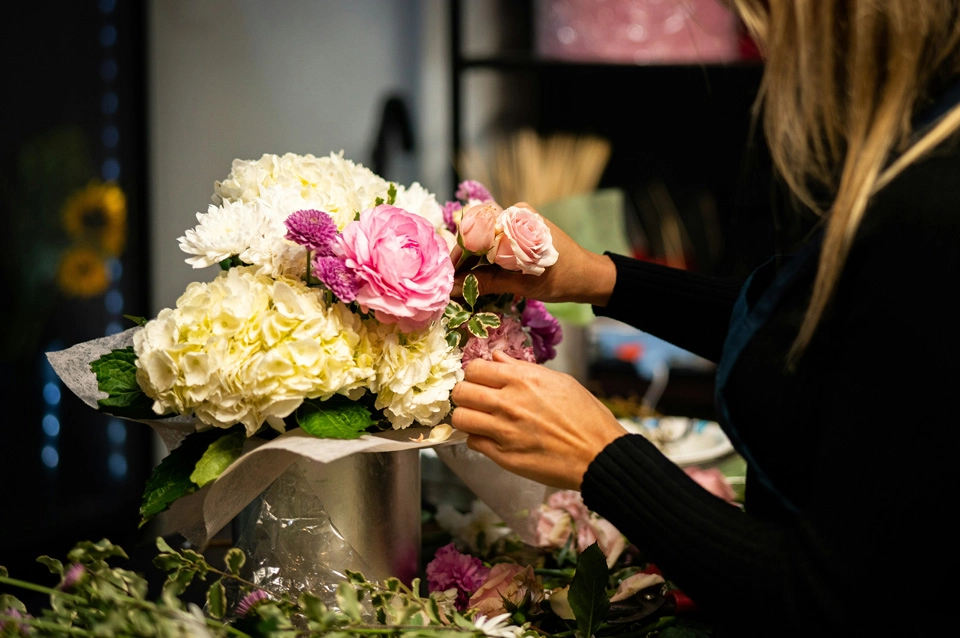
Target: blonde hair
pixel 842 81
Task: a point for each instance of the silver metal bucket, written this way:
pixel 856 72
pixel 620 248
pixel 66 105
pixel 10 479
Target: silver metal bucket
pixel 318 520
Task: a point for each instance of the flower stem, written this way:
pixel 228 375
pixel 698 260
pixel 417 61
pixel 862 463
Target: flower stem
pixel 5 580
pixel 54 628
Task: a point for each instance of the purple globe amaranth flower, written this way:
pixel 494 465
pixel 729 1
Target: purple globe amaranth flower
pixel 471 189
pixel 10 626
pixel 251 601
pixel 545 330
pixel 313 229
pixel 452 569
pixel 72 576
pixel 448 210
pixel 336 276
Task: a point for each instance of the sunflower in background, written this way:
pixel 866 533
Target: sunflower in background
pixel 95 221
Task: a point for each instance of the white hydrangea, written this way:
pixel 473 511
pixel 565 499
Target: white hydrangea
pixel 332 184
pixel 246 348
pixel 415 375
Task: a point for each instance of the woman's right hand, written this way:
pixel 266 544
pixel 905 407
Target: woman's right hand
pixel 578 275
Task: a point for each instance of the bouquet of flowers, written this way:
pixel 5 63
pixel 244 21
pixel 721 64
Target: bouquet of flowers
pixel 331 312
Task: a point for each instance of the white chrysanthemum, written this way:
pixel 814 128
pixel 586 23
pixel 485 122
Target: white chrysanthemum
pixel 247 348
pixel 497 626
pixel 335 185
pixel 271 252
pixel 418 200
pixel 415 375
pixel 481 522
pixel 223 232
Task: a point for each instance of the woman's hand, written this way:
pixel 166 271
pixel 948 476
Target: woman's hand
pixel 578 275
pixel 532 421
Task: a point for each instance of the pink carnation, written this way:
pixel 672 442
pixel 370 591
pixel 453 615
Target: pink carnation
pixel 402 266
pixel 508 338
pixel 471 189
pixel 451 569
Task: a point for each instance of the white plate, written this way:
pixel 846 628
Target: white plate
pixel 704 442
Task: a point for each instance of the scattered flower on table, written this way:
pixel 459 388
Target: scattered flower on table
pixel 564 516
pixel 451 569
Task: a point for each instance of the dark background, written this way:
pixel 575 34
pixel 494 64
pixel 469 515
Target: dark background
pixel 74 112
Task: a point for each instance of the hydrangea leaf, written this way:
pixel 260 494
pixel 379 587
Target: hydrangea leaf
pixel 116 374
pixel 171 478
pixel 218 457
pixel 588 590
pixel 335 418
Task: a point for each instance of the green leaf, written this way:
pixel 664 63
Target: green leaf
pixel 171 478
pixel 454 338
pixel 140 321
pixel 348 602
pixel 470 289
pixel 481 322
pixel 313 608
pixel 87 552
pixel 588 590
pixel 218 457
pixel 335 418
pixel 55 566
pixel 116 374
pixel 234 560
pixel 456 315
pixel 217 600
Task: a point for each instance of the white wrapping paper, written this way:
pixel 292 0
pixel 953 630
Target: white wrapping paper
pixel 201 515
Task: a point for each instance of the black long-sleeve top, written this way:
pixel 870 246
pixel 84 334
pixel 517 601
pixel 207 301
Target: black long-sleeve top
pixel 848 525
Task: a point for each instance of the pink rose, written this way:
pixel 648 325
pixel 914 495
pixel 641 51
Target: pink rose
pixel 553 527
pixel 478 227
pixel 604 534
pixel 507 581
pixel 402 266
pixel 524 243
pixel 713 481
pixel 572 502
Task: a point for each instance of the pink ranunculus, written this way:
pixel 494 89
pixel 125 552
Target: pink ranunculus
pixel 478 227
pixel 510 582
pixel 713 481
pixel 402 266
pixel 524 242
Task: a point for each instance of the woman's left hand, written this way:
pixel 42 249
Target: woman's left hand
pixel 532 421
